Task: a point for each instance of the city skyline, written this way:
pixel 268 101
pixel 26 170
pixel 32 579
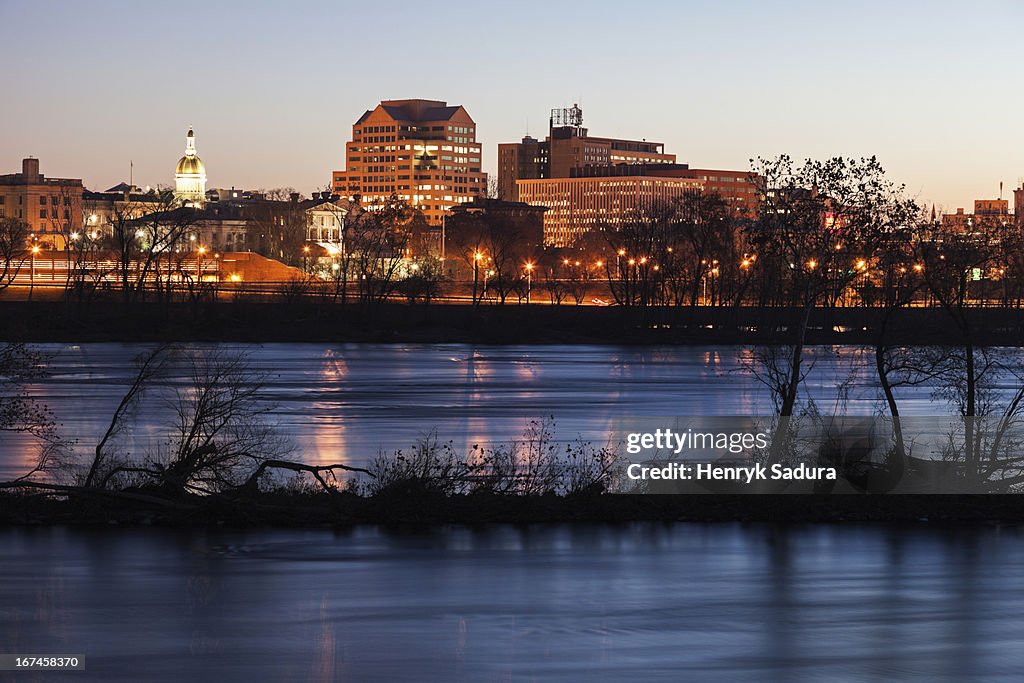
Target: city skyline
pixel 272 92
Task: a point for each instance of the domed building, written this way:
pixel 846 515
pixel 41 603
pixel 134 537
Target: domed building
pixel 190 175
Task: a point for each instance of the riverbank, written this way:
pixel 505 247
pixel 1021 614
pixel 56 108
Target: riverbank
pixel 345 509
pixel 313 321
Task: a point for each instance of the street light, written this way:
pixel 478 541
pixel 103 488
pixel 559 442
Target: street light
pixel 199 263
pixel 477 256
pixel 32 273
pixel 305 259
pixel 529 280
pixel 487 275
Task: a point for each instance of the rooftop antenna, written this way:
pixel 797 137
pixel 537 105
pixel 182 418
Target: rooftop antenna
pixel 131 174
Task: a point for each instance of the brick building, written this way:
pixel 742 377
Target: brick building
pixel 578 205
pixel 52 207
pixel 568 146
pixel 423 151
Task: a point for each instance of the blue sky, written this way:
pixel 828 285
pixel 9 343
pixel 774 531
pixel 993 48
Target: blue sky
pixel 932 88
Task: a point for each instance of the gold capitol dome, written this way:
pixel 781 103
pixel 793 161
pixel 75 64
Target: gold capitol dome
pixel 190 164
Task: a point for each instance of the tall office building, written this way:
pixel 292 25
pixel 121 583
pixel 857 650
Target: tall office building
pixel 423 151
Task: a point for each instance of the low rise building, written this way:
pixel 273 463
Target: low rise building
pixel 987 213
pixel 101 210
pixel 578 205
pixel 52 207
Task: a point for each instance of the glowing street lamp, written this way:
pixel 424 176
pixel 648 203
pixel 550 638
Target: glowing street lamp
pixel 32 273
pixel 529 280
pixel 199 263
pixel 477 256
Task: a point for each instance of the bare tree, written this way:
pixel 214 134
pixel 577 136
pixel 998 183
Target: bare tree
pixel 819 225
pixel 377 243
pixel 149 367
pixel 279 225
pixel 20 411
pixel 14 251
pixel 140 243
pixel 221 431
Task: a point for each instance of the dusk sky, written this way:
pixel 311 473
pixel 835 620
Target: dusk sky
pixel 932 88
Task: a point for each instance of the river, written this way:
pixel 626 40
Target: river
pixel 345 403
pixel 640 602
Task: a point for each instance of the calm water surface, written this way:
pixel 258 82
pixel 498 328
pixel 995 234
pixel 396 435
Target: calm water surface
pixel 557 603
pixel 344 403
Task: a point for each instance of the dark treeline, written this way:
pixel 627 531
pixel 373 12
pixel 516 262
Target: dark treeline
pixel 825 234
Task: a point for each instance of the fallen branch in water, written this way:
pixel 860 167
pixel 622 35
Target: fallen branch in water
pixel 316 470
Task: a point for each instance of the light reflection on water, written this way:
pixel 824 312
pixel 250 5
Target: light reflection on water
pixel 554 603
pixel 344 403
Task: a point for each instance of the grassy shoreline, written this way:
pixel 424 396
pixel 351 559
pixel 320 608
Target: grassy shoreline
pixel 320 509
pixel 311 321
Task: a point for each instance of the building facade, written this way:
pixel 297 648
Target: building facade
pixel 578 205
pixel 987 213
pixel 741 190
pixel 567 148
pixel 525 220
pixel 100 210
pixel 423 151
pixel 52 207
pixel 1018 206
pixel 325 222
